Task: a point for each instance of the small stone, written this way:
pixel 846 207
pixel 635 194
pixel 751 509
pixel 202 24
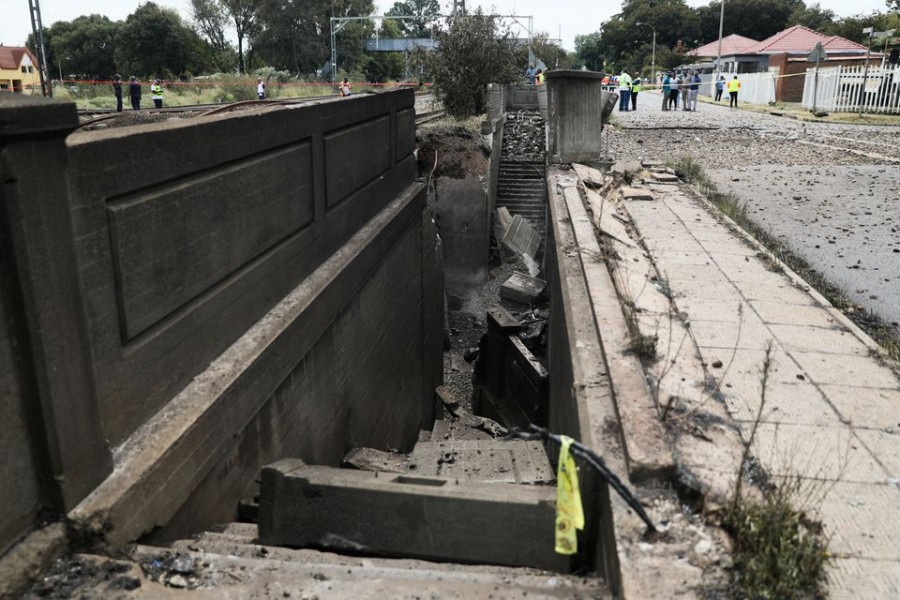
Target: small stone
pixel 177 581
pixel 703 547
pixel 717 364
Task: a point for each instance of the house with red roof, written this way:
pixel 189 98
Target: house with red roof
pixel 784 54
pixel 18 70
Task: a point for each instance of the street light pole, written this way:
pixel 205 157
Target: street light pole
pixel 721 26
pixel 653 59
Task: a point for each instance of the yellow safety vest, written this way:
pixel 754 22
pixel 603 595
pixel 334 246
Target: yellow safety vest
pixel 156 89
pixel 540 78
pixel 734 85
pixel 635 88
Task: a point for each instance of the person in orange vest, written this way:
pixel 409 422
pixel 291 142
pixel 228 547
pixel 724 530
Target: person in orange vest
pixel 539 77
pixel 733 86
pixel 604 83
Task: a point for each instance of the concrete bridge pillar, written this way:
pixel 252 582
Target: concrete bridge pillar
pixel 574 116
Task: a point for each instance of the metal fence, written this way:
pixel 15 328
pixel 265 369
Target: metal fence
pixel 841 89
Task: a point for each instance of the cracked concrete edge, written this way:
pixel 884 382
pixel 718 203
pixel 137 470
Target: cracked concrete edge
pixel 645 441
pixel 25 561
pixel 835 313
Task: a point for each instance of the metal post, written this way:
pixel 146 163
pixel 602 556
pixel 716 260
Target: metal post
pixel 815 85
pixel 653 60
pixel 37 29
pixel 719 52
pixel 862 96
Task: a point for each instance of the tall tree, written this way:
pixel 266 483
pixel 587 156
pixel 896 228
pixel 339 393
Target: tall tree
pixel 85 45
pixel 244 14
pixel 211 22
pixel 424 11
pixel 155 41
pixel 813 16
pixel 755 19
pixel 295 34
pixel 474 51
pixel 587 48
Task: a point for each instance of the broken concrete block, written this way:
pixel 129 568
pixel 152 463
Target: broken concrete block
pixel 416 517
pixel 664 177
pixel 636 193
pixel 590 176
pixel 448 400
pixel 521 237
pixel 370 459
pixel 522 288
pixel 624 167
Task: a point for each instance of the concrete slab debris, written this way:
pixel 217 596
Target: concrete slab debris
pixel 422 517
pixel 626 167
pixel 521 237
pixel 664 177
pixel 636 193
pixel 590 176
pixel 522 288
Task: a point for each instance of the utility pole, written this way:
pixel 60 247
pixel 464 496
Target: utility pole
pixel 37 28
pixel 719 52
pixel 862 95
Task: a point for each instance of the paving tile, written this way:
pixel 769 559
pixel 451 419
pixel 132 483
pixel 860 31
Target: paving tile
pixel 676 273
pixel 724 310
pixel 845 369
pixel 863 579
pixel 885 447
pixel 778 290
pixel 741 363
pixel 751 334
pixel 874 408
pixel 743 268
pixel 862 520
pixel 816 452
pixel 792 314
pixel 682 257
pixel 831 340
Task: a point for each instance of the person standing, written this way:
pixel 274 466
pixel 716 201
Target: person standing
pixel 156 92
pixel 539 77
pixel 117 90
pixel 720 87
pixel 673 92
pixel 260 89
pixel 635 89
pixel 666 91
pixel 624 91
pixel 134 93
pixel 684 84
pixel 695 90
pixel 733 86
pixel 529 74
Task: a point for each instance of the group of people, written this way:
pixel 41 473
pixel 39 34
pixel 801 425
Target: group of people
pixel 685 85
pixel 534 76
pixel 135 92
pixel 733 86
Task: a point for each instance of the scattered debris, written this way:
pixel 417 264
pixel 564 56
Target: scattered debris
pixel 636 193
pixel 522 288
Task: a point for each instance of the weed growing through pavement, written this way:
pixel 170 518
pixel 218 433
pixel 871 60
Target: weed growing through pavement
pixel 886 336
pixel 778 551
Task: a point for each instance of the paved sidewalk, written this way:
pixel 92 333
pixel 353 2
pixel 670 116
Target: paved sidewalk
pixel 832 411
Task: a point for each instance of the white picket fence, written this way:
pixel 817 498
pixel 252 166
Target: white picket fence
pixel 840 89
pixel 756 88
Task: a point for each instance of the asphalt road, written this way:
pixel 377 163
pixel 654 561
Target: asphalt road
pixel 830 192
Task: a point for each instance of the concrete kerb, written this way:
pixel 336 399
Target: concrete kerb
pixel 648 456
pixel 836 313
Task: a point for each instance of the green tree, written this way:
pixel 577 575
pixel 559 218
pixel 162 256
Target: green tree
pixel 473 52
pixel 755 19
pixel 587 49
pixel 86 45
pixel 243 14
pixel 295 34
pixel 626 45
pixel 155 41
pixel 425 11
pixel 813 16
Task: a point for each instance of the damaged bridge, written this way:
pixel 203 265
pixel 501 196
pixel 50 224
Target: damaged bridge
pixel 198 313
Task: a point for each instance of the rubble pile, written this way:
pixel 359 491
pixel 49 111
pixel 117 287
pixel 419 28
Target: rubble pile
pixel 524 136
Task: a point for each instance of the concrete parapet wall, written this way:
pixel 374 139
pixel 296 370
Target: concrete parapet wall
pixel 581 401
pixel 574 116
pixel 156 251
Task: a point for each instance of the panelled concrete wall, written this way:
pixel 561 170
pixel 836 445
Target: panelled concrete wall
pixel 199 228
pixel 264 280
pixel 20 492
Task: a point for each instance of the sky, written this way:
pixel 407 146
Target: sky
pixel 563 19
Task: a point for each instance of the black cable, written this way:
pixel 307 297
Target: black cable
pixel 581 451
